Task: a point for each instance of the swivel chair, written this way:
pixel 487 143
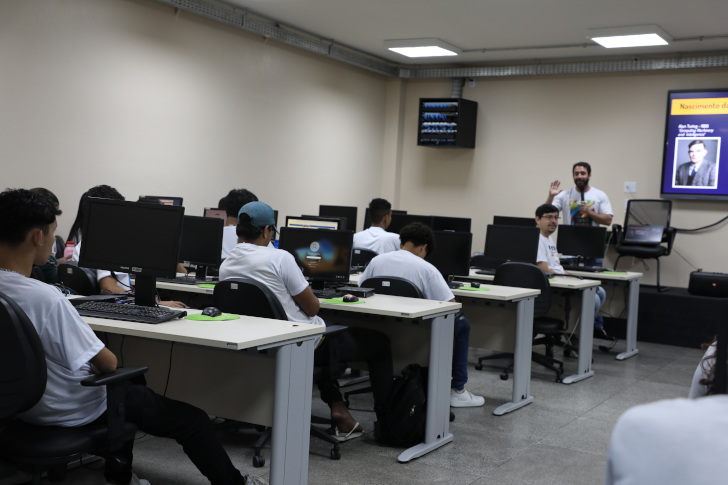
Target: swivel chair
pixel 392 285
pixel 244 296
pixel 23 374
pixel 526 275
pixel 81 280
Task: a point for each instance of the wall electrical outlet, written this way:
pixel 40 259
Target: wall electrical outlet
pixel 630 187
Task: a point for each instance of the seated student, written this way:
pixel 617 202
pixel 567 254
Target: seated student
pixel 73 352
pixel 232 203
pixel 48 272
pixel 547 219
pixel 254 259
pixel 376 238
pixel 417 242
pixel 109 281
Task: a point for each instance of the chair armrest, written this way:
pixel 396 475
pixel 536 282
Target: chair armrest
pixel 120 374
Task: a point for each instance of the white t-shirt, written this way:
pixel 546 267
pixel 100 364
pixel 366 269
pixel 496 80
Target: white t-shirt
pixel 676 441
pixel 696 388
pixel 377 239
pixel 569 202
pixel 275 269
pixel 547 253
pixel 229 240
pixel 122 279
pixel 69 343
pixel 404 264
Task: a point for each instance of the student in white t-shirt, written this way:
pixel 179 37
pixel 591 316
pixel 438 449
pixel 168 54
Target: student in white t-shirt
pixel 376 238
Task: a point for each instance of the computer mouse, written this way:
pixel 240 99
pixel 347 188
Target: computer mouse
pixel 474 284
pixel 211 311
pixel 350 298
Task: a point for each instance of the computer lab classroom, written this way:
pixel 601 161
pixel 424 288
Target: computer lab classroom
pixel 151 98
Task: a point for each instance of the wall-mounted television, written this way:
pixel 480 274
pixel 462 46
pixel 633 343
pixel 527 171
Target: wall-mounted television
pixel 695 160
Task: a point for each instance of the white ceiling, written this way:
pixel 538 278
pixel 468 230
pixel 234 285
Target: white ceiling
pixel 501 31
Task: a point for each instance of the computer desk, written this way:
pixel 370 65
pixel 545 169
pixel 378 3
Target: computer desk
pixel 587 288
pixel 420 331
pixel 632 280
pixel 251 369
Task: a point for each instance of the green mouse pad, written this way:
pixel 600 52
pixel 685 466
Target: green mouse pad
pixel 340 300
pixel 470 288
pixel 205 318
pixel 206 285
pixel 615 272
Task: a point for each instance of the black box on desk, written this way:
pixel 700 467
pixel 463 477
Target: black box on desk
pixel 357 291
pixel 708 284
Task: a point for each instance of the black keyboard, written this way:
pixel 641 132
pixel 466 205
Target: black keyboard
pixel 131 313
pixel 588 269
pixel 186 280
pixel 486 271
pixel 328 293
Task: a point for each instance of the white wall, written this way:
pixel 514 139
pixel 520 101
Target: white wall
pixel 130 94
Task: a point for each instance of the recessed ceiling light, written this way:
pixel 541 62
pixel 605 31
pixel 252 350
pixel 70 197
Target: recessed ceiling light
pixel 422 47
pixel 634 36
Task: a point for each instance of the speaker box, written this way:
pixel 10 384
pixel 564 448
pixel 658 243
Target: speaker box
pixel 708 284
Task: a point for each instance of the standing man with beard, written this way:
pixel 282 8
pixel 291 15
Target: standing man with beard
pixel 582 205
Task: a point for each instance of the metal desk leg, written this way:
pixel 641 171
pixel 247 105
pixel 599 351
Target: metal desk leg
pixel 292 414
pixel 521 359
pixel 632 308
pixel 437 427
pixel 586 337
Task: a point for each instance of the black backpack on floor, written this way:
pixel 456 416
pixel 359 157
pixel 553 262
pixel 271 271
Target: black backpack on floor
pixel 404 422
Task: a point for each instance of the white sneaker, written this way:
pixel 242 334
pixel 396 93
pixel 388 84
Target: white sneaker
pixel 465 399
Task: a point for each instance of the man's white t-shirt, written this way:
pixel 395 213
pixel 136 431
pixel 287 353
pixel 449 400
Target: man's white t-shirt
pixel 229 240
pixel 569 202
pixel 548 253
pixel 377 239
pixel 404 264
pixel 122 279
pixel 69 344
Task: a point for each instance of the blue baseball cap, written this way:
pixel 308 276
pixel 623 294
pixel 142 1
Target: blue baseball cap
pixel 260 214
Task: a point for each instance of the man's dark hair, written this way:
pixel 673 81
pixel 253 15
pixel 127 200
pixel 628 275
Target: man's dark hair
pixel 100 191
pixel 546 209
pixel 47 193
pixel 582 164
pixel 235 200
pixel 246 229
pixel 418 234
pixel 21 211
pixel 378 208
pixel 696 142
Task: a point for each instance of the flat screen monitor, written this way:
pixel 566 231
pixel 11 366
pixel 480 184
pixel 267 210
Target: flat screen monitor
pixel 368 220
pixel 459 224
pixel 342 220
pixel 514 221
pixel 214 212
pixel 401 220
pixel 132 237
pixel 324 256
pixel 581 241
pixel 200 243
pixel 695 123
pixel 452 253
pixel 511 243
pixel 162 199
pixel 312 222
pixel 349 212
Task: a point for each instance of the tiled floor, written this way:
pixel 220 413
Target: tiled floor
pixel 560 439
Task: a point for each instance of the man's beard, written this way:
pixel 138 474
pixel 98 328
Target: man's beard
pixel 581 184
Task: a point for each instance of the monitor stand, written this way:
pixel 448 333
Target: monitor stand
pixel 201 273
pixel 145 290
pixel 318 285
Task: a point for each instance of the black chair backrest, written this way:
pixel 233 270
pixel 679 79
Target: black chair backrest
pixel 60 246
pixel 23 371
pixel 652 212
pixel 244 296
pixel 80 280
pixel 526 275
pixel 392 285
pixel 360 257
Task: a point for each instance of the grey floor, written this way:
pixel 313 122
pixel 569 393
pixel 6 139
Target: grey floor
pixel 560 439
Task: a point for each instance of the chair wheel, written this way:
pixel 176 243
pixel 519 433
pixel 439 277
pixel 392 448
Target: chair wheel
pixel 478 366
pixel 335 454
pixel 452 416
pixel 258 461
pixel 504 376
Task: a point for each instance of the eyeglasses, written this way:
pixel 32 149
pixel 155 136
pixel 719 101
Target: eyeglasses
pixel 550 217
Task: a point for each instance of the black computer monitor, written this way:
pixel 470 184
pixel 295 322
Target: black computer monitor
pixel 401 220
pixel 161 199
pixel 214 212
pixel 452 253
pixel 514 221
pixel 342 220
pixel 511 243
pixel 368 220
pixel 132 237
pixel 200 243
pixel 581 241
pixel 459 224
pixel 324 256
pixel 340 211
pixel 313 222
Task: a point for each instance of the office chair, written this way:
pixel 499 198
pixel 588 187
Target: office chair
pixel 60 246
pixel 392 285
pixel 526 275
pixel 81 280
pixel 653 212
pixel 360 258
pixel 23 375
pixel 244 296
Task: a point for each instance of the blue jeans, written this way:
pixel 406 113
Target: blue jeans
pixel 599 298
pixel 460 344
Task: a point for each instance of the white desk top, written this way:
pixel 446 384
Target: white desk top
pixel 609 275
pixel 246 332
pixel 556 282
pixel 396 306
pixel 500 293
